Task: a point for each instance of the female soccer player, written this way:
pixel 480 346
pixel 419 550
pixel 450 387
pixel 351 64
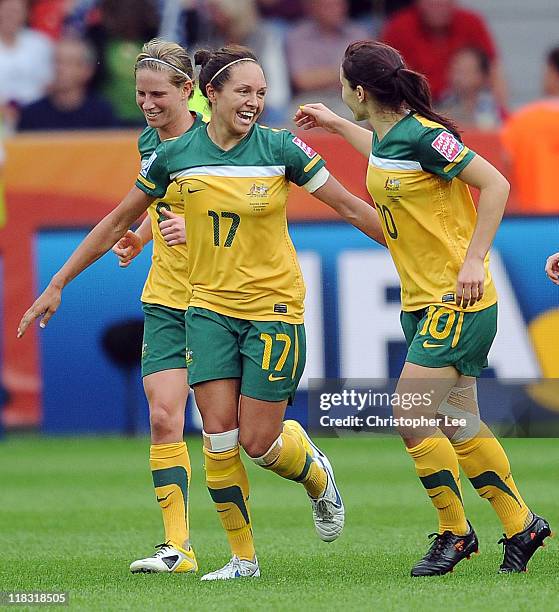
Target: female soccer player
pixel 418 175
pixel 163 86
pixel 246 339
pixel 246 342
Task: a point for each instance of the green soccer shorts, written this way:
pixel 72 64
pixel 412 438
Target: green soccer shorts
pixel 438 336
pixel 164 345
pixel 268 356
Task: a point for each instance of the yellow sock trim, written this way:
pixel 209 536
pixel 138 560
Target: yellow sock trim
pixel 170 469
pixel 486 464
pixel 228 486
pixel 437 467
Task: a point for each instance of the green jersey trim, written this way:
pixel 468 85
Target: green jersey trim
pixel 415 143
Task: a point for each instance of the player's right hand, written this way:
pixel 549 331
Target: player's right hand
pixel 44 306
pixel 309 116
pixel 173 229
pixel 128 247
pixel 552 268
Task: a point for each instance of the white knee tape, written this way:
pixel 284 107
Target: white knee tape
pixel 270 455
pixel 461 403
pixel 221 442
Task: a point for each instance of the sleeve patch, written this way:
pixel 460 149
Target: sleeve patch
pixel 309 152
pixel 146 164
pixel 447 145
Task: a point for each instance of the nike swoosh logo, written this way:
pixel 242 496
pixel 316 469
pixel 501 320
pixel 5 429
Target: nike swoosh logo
pixel 428 344
pixel 273 378
pixel 195 190
pixel 160 499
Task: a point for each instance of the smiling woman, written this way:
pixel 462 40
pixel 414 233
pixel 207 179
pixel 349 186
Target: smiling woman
pixel 418 175
pixel 235 106
pixel 163 73
pixel 245 332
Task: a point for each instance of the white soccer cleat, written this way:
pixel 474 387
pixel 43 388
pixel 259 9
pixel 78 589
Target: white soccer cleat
pixel 168 558
pixel 236 568
pixel 328 509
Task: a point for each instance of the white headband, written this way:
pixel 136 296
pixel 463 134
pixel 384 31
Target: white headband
pixel 154 59
pixel 242 59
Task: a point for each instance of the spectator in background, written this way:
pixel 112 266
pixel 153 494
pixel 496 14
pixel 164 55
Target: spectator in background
pixel 69 104
pixel 314 48
pixel 47 16
pixel 469 100
pixel 118 37
pixel 238 22
pixel 2 199
pixel 286 10
pixel 430 32
pixel 57 18
pixel 531 140
pixel 25 57
pixel 291 10
pixel 179 21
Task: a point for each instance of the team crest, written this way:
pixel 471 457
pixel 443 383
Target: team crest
pixel 392 184
pixel 258 191
pixel 447 145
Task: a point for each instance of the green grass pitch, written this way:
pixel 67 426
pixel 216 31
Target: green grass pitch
pixel 75 512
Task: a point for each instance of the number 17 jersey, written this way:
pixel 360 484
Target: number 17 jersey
pixel 241 261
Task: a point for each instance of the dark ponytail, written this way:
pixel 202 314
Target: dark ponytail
pixel 381 71
pixel 213 62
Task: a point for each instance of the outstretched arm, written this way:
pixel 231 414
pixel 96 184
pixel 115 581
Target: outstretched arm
pixel 101 238
pixel 493 193
pixel 351 208
pixel 317 115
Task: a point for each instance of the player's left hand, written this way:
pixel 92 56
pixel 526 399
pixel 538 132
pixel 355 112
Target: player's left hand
pixel 173 228
pixel 44 306
pixel 471 279
pixel 552 268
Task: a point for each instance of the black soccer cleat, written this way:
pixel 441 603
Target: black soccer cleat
pixel 445 552
pixel 519 548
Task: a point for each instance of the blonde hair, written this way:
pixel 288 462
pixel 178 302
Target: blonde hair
pixel 160 55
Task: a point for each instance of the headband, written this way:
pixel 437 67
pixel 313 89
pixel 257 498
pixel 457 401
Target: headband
pixel 242 59
pixel 154 59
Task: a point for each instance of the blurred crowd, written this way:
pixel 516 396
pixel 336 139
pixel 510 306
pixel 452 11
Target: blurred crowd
pixel 68 64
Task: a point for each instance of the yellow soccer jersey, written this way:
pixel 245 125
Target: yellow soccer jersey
pixel 242 262
pixel 427 214
pixel 167 282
